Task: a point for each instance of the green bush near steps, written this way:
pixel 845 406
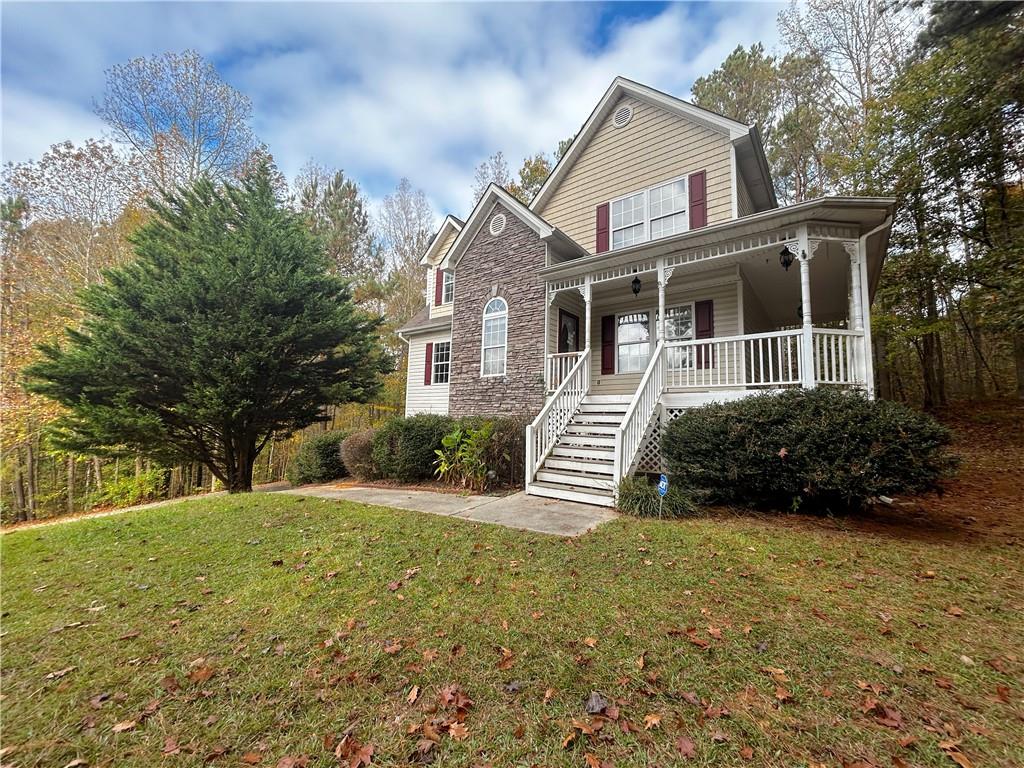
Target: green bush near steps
pixel 357 455
pixel 639 497
pixel 404 449
pixel 822 450
pixel 318 459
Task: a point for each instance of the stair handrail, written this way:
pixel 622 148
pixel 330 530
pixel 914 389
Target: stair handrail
pixel 634 424
pixel 544 431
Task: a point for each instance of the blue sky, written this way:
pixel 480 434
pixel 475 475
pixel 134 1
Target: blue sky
pixel 423 90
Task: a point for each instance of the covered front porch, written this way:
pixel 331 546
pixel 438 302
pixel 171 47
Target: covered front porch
pixel 771 301
pixel 732 318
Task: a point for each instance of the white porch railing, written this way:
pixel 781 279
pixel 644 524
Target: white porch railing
pixel 836 358
pixel 638 416
pixel 559 409
pixel 753 360
pixel 558 368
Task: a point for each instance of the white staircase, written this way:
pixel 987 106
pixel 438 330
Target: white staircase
pixel 581 464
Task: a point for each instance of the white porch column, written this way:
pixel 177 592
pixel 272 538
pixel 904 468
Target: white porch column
pixel 586 323
pixel 807 249
pixel 865 310
pixel 857 351
pixel 662 279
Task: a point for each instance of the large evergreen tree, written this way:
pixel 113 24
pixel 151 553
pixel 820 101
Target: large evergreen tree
pixel 226 331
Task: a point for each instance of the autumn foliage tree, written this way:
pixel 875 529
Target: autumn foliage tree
pixel 226 331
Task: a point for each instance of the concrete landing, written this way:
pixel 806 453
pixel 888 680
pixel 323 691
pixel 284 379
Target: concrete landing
pixel 529 513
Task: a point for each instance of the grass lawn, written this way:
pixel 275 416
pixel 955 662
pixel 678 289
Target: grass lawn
pixel 263 630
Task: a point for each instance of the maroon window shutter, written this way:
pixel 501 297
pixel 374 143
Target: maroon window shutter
pixel 698 200
pixel 704 328
pixel 438 286
pixel 428 366
pixel 602 227
pixel 607 344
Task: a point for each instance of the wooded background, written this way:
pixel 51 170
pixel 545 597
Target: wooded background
pixel 922 102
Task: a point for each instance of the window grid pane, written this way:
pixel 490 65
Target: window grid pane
pixel 494 340
pixel 448 288
pixel 441 362
pixel 633 342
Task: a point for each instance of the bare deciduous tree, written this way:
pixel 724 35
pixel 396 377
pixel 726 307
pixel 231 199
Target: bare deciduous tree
pixel 405 224
pixel 180 116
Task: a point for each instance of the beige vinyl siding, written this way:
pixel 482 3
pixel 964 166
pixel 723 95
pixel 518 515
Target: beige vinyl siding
pixel 655 146
pixel 447 240
pixel 755 318
pixel 726 309
pixel 743 199
pixel 420 398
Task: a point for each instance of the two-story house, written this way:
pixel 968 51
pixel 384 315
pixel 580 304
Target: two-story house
pixel 654 271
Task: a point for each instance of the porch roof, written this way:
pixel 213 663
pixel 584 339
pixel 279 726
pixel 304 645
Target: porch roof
pixel 719 244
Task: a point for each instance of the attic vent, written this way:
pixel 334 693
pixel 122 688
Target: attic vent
pixel 622 116
pixel 497 224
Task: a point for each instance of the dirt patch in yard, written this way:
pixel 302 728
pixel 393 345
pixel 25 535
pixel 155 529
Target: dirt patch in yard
pixel 984 502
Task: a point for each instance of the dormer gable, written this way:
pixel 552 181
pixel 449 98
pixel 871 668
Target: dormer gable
pixel 639 139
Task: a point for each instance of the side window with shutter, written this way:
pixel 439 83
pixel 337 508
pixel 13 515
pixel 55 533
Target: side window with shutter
pixel 607 345
pixel 602 228
pixel 428 365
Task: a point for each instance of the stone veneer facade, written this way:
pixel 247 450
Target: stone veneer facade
pixel 504 265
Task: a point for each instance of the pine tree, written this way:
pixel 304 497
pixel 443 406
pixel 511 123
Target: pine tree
pixel 225 332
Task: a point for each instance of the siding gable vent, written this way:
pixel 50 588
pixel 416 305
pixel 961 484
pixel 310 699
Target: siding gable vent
pixel 622 116
pixel 497 224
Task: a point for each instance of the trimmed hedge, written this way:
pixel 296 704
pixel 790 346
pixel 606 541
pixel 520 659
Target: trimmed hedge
pixel 638 496
pixel 404 448
pixel 318 459
pixel 357 455
pixel 818 449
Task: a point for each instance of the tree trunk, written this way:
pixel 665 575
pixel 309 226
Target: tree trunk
pixel 241 457
pixel 29 481
pixel 18 490
pixel 71 485
pixel 1018 363
pixel 97 469
pixel 882 373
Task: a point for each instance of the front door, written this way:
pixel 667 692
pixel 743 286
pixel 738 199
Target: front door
pixel 568 332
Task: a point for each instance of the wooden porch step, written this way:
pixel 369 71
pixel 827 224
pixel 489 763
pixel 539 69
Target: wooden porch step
pixel 608 399
pixel 576 428
pixel 592 417
pixel 581 452
pixel 619 408
pixel 575 479
pixel 593 466
pixel 571 493
pixel 586 440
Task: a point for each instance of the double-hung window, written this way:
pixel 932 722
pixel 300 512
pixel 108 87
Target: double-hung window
pixel 658 211
pixel 679 327
pixel 628 220
pixel 633 341
pixel 440 368
pixel 495 338
pixel 448 287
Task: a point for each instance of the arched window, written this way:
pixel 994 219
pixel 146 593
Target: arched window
pixel 495 337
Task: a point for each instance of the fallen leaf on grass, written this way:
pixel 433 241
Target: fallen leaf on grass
pixel 955 610
pixel 686 747
pixel 590 642
pixel 252 758
pixel 171 746
pixel 550 694
pixel 782 695
pixel 413 694
pixel 59 673
pixel 124 725
pixel 652 720
pixel 201 674
pixel 507 659
pixel 458 731
pixel 747 753
pixel 78 762
pixel 391 648
pixel 596 703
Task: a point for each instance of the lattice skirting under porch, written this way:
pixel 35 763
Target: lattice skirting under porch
pixel 649 456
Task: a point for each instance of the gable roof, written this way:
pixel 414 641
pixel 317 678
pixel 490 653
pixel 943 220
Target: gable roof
pixel 747 141
pixel 495 194
pixel 450 221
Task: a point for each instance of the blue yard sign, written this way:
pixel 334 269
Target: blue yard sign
pixel 663 485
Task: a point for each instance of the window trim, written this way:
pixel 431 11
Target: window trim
pixel 646 221
pixel 434 363
pixel 483 330
pixel 652 316
pixel 447 287
pixel 652 337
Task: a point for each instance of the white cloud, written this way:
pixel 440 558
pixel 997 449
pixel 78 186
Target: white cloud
pixel 384 91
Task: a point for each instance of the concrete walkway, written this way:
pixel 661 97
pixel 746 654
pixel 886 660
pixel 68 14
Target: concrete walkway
pixel 530 513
